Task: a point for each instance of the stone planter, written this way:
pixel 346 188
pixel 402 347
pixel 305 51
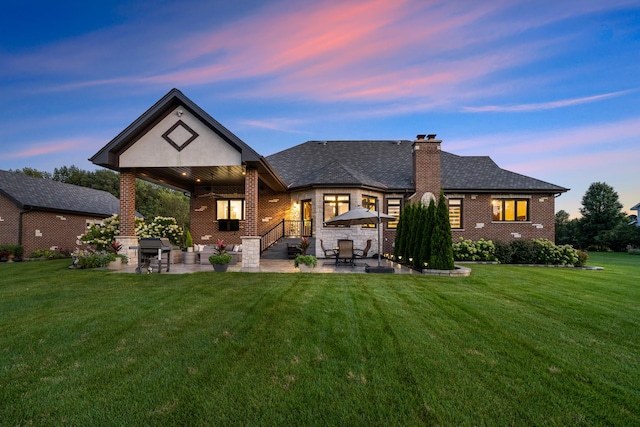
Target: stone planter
pixel 305 268
pixel 115 265
pixel 189 257
pixel 220 268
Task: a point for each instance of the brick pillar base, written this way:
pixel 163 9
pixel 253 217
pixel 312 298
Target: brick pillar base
pixel 250 253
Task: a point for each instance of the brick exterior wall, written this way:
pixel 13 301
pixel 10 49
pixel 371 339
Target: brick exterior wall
pixel 272 208
pixel 477 221
pixel 40 229
pixel 127 203
pixel 43 230
pixel 9 222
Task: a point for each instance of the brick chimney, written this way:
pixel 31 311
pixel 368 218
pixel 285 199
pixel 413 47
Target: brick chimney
pixel 426 167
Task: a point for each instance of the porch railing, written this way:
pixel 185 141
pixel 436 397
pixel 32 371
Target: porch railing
pixel 285 228
pixel 271 237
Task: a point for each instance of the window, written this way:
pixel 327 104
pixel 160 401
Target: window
pixel 455 213
pixel 369 202
pixel 393 208
pixel 510 209
pixel 334 205
pixel 230 209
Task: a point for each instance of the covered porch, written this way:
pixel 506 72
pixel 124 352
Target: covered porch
pixel 178 145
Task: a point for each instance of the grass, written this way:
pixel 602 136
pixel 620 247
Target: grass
pixel 506 346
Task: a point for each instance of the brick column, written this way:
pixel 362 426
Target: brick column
pixel 251 202
pixel 127 237
pixel 251 240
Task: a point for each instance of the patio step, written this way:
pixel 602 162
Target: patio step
pixel 279 250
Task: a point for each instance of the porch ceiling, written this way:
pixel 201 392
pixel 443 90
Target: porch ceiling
pixel 187 178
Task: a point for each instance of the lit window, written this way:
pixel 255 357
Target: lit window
pixel 334 205
pixel 369 202
pixel 510 209
pixel 230 209
pixel 455 213
pixel 393 209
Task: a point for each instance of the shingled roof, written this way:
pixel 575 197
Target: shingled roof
pixel 387 165
pixel 44 194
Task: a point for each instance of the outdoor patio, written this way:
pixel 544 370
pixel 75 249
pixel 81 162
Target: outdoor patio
pixel 325 265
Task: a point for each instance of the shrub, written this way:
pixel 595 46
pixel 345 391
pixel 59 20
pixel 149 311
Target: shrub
pixel 308 260
pixel 582 259
pixel 49 254
pixel 217 259
pixel 16 250
pixel 163 227
pixel 523 252
pixel 503 252
pixel 467 250
pixel 95 260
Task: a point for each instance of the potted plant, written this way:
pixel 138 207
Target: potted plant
pixel 304 245
pixel 188 241
pixel 115 259
pixel 305 263
pixel 220 262
pixel 221 259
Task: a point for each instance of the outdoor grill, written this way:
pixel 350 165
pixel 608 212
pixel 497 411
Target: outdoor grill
pixel 152 249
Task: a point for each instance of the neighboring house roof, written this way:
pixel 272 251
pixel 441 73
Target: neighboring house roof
pixel 388 165
pixel 636 207
pixel 45 194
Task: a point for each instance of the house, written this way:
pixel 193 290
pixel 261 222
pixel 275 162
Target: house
pixel 40 213
pixel 242 197
pixel 636 208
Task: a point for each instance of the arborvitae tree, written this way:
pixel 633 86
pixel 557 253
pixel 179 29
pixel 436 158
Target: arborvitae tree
pixel 430 215
pixel 408 234
pixel 420 237
pixel 416 235
pixel 398 244
pixel 441 243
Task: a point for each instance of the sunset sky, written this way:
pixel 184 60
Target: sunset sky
pixel 549 89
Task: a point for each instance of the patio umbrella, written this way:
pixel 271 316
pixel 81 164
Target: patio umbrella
pixel 360 215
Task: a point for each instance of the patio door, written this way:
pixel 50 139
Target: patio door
pixel 307 223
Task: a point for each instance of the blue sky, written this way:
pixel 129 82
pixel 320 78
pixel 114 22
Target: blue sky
pixel 549 89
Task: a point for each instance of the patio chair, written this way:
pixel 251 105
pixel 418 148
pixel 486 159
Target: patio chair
pixel 328 253
pixel 345 252
pixel 362 253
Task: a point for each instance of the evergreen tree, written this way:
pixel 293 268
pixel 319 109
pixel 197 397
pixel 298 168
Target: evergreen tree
pixel 441 257
pixel 601 212
pixel 427 234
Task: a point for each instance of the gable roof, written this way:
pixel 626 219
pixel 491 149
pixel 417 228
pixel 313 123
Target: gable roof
pixel 387 165
pixel 44 194
pixel 108 156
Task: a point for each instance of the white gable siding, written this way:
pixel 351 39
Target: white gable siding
pixel 152 150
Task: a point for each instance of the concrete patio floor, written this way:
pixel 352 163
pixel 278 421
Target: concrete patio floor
pixel 282 266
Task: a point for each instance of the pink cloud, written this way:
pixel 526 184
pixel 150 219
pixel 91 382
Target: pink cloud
pixel 546 105
pixel 282 125
pixel 49 147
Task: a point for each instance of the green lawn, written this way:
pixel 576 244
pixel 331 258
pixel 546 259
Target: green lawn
pixel 505 346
